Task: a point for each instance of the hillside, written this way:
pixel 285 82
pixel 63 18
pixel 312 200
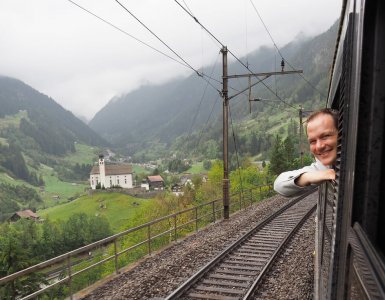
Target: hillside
pixel 47 120
pixel 119 209
pixel 41 144
pixel 153 117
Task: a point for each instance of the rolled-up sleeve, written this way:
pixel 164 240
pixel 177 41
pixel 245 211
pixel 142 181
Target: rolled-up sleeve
pixel 285 185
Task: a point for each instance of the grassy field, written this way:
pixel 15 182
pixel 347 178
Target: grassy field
pixel 84 155
pixel 197 168
pixel 119 209
pixel 9 180
pixel 139 170
pixel 55 187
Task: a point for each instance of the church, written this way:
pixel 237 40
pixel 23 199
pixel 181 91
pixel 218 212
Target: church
pixel 111 175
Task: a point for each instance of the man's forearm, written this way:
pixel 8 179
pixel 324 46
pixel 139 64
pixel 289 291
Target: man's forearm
pixel 309 178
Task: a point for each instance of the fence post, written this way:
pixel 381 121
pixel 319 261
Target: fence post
pixel 69 276
pixel 196 218
pixel 149 239
pixel 240 200
pixel 116 257
pixel 214 219
pixel 175 234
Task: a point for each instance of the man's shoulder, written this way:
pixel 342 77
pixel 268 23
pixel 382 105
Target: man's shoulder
pixel 318 166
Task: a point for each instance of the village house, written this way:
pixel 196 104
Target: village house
pixel 24 214
pixel 184 181
pixel 111 175
pixel 155 182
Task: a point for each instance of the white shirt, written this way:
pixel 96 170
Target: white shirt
pixel 285 185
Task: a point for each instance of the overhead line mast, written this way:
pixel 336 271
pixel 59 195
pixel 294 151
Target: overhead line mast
pixel 226 98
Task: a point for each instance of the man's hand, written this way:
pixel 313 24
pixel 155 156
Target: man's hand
pixel 315 177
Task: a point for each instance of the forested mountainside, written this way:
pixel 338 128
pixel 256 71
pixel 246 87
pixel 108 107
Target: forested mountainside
pixel 165 113
pixel 36 134
pixel 52 127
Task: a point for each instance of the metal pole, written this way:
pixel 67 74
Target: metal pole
pixel 196 218
pixel 175 233
pixel 149 239
pixel 116 257
pixel 69 276
pixel 226 210
pixel 300 135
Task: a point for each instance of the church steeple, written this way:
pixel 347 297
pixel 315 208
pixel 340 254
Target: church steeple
pixel 102 170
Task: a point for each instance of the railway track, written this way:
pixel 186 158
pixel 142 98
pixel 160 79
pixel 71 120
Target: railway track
pixel 236 272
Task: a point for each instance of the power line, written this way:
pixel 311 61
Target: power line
pixel 125 32
pixel 222 45
pixel 207 121
pixel 275 45
pixel 279 98
pixel 180 57
pixel 203 95
pixel 196 20
pixel 140 41
pixel 236 150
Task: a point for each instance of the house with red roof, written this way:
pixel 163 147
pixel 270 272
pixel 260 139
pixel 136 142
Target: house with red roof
pixel 154 182
pixel 24 214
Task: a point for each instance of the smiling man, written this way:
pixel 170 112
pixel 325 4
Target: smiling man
pixel 322 136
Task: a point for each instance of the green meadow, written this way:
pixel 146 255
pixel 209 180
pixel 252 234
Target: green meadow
pixel 197 168
pixel 84 155
pixel 121 210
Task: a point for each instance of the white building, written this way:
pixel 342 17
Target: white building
pixel 111 175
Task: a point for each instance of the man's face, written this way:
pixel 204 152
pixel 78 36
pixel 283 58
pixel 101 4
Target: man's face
pixel 322 137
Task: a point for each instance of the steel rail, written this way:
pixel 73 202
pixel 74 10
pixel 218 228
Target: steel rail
pixel 273 258
pixel 187 285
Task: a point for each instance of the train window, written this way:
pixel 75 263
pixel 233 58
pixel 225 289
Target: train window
pixel 369 207
pixel 351 253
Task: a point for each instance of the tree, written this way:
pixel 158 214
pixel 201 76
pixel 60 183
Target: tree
pixel 51 240
pixel 16 254
pixel 277 159
pixel 207 164
pixel 289 152
pixel 74 231
pixel 254 145
pixel 215 175
pixel 98 228
pixel 212 149
pixel 246 178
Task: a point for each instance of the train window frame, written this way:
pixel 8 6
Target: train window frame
pixel 368 206
pixel 356 91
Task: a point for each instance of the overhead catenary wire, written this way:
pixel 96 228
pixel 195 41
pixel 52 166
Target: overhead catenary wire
pixel 236 150
pixel 275 45
pixel 201 100
pixel 157 50
pixel 126 33
pixel 207 121
pixel 222 45
pixel 164 43
pixel 144 43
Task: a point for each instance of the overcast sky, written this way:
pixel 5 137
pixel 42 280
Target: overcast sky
pixel 82 62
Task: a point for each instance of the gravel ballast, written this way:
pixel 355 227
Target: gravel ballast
pixel 157 276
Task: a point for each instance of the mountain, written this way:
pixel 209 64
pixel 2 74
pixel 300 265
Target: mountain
pixel 36 137
pixel 52 127
pixel 163 113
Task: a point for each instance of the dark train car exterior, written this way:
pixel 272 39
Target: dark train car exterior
pixel 350 234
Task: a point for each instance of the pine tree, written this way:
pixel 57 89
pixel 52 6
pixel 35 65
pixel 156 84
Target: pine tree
pixel 289 152
pixel 277 158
